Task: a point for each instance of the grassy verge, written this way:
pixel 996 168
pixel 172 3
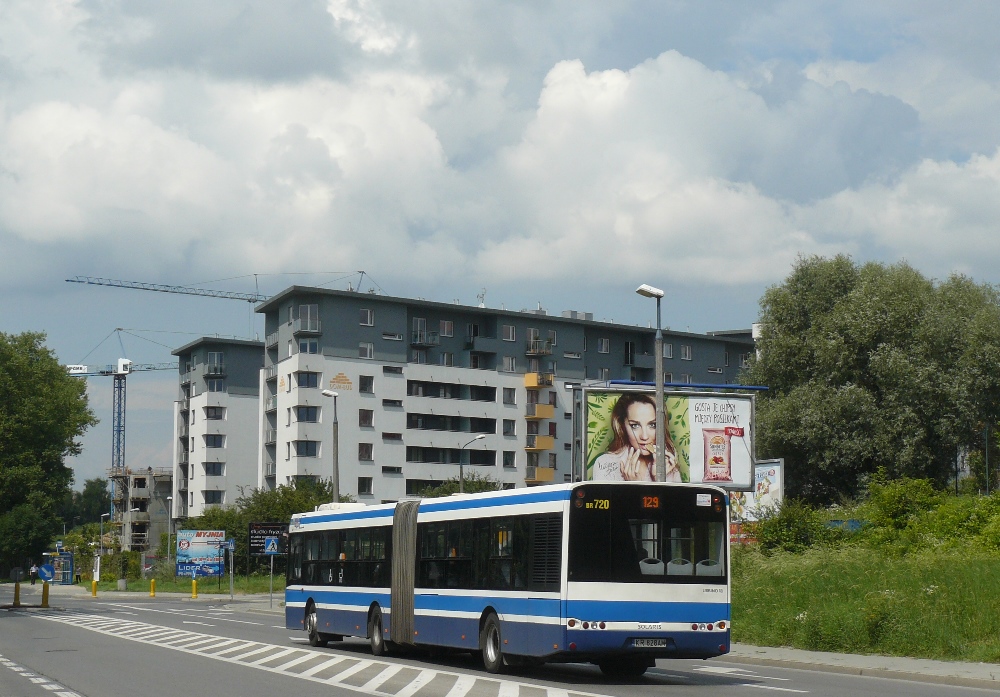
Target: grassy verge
pixel 929 604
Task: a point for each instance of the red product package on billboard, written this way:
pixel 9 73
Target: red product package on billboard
pixel 718 455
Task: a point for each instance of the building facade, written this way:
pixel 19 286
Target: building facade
pixel 422 386
pixel 216 423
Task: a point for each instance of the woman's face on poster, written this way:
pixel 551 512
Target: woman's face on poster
pixel 640 424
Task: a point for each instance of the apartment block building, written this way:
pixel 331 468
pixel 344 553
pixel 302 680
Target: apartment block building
pixel 417 383
pixel 216 425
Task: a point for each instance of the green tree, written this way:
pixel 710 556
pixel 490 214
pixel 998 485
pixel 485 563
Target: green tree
pixel 472 483
pixel 80 507
pixel 873 366
pixel 42 413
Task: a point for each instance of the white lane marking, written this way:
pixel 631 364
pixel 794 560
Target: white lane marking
pixel 278 626
pixel 184 613
pixel 424 677
pixel 272 656
pixel 326 664
pixel 295 661
pixel 126 612
pixel 772 687
pixel 738 672
pixel 203 624
pixel 39 680
pixel 464 683
pixel 383 675
pixel 462 686
pixel 255 651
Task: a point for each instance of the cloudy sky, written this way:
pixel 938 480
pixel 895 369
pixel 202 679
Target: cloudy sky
pixel 552 152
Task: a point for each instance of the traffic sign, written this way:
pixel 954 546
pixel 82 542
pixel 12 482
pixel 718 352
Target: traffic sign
pixel 259 532
pixel 231 544
pixel 17 574
pixel 271 545
pixel 46 572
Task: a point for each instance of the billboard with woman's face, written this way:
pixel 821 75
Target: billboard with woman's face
pixel 709 437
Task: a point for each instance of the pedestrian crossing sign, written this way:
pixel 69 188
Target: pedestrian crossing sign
pixel 271 545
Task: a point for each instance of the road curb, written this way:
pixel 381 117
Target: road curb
pixel 865 672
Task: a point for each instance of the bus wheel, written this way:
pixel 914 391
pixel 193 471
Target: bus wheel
pixel 491 645
pixel 623 668
pixel 378 643
pixel 312 626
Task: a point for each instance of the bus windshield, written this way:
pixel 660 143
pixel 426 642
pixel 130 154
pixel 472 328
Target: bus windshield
pixel 647 534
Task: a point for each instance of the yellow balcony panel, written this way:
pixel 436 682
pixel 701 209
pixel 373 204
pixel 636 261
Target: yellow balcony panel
pixel 539 475
pixel 535 443
pixel 539 411
pixel 534 381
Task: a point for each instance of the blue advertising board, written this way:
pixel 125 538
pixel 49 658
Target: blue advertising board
pixel 200 552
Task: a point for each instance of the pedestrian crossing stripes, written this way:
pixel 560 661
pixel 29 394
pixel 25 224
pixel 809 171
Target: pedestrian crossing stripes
pixel 347 671
pixel 40 680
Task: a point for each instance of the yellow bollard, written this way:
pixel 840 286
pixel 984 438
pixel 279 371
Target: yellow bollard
pixel 194 588
pixel 45 593
pixel 152 588
pixel 93 588
pixel 17 594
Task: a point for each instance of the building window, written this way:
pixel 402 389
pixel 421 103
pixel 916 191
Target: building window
pixel 686 378
pixel 214 469
pixel 553 366
pixel 366 418
pixel 212 414
pixel 367 317
pixel 212 497
pixel 215 359
pixel 291 348
pixel 419 356
pixel 392 336
pixel 552 337
pixel 604 373
pixel 447 358
pixel 552 428
pixel 309 317
pixel 308 346
pixel 447 327
pixel 366 384
pixel 215 440
pixel 365 452
pixel 552 460
pixel 509 395
pixel 685 352
pixel 668 377
pixel 508 427
pixel 508 332
pixel 533 366
pixel 745 360
pixel 387 435
pixel 509 364
pixel 307 379
pixel 216 385
pixel 725 359
pixel 392 370
pixel 307 414
pixel 366 349
pixel 393 403
pixel 572 354
pixel 365 486
pixel 668 350
pixel 604 345
pixel 508 458
pixel 306 448
pixel 715 370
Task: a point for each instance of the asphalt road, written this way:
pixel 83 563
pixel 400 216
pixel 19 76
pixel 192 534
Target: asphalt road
pixel 124 647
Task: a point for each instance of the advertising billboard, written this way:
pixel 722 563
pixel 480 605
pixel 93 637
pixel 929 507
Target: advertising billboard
pixel 200 552
pixel 261 536
pixel 766 495
pixel 709 436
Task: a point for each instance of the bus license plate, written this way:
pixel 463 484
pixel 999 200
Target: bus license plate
pixel 649 643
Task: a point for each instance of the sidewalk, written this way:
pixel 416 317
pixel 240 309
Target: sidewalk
pixel 984 675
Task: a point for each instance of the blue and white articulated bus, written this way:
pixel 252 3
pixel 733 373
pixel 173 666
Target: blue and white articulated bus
pixel 613 573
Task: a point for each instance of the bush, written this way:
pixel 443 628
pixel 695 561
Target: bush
pixel 793 527
pixel 894 504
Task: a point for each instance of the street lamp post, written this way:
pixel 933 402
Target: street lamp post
pixel 661 441
pixel 170 524
pixel 461 470
pixel 103 516
pixel 335 446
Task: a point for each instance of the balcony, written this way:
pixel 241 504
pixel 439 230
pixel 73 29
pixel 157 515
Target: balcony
pixel 271 340
pixel 186 377
pixel 270 403
pixel 182 485
pixel 183 458
pixel 645 361
pixel 539 411
pixel 270 372
pixel 270 469
pixel 534 381
pixel 185 404
pixel 139 516
pixel 539 475
pixel 481 344
pixel 270 436
pixel 424 339
pixel 306 326
pixel 535 443
pixel 215 370
pixel 538 347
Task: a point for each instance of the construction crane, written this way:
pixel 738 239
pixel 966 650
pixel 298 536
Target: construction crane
pixel 118 371
pixel 160 288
